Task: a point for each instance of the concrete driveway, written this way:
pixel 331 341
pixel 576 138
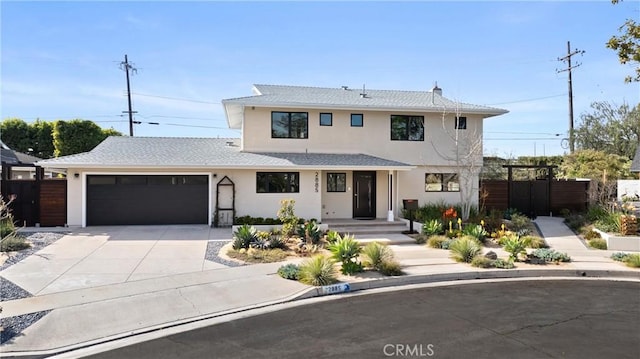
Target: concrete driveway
pixel 95 256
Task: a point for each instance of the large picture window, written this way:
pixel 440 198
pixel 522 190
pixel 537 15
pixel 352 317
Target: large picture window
pixel 336 182
pixel 407 128
pixel 277 182
pixel 289 124
pixel 441 182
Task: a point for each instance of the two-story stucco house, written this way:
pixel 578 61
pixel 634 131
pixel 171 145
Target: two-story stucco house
pixel 338 152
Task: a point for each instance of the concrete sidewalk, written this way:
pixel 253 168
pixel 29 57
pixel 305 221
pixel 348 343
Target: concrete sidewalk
pixel 83 317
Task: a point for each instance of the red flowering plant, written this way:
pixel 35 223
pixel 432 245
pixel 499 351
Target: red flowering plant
pixel 450 214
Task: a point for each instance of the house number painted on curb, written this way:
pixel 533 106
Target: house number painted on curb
pixel 317 182
pixel 335 288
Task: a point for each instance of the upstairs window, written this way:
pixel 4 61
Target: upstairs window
pixel 407 128
pixel 277 182
pixel 461 123
pixel 441 182
pixel 357 120
pixel 326 119
pixel 289 124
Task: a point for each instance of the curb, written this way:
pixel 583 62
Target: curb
pixel 376 283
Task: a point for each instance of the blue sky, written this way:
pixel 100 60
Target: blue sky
pixel 61 60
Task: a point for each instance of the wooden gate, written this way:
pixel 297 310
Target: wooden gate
pixel 37 202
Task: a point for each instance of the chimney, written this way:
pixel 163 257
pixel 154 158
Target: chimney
pixel 436 89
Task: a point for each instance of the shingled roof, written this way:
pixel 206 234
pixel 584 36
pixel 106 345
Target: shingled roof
pixel 180 152
pixel 345 98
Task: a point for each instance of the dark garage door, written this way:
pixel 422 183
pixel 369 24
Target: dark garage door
pixel 119 200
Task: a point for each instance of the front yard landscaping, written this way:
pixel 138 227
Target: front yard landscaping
pixel 475 240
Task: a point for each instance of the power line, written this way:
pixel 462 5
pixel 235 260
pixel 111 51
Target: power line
pixel 178 99
pixel 527 100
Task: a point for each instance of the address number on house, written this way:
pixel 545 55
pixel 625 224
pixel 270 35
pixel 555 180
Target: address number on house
pixel 335 288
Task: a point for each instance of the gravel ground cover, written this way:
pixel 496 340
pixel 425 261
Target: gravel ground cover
pixel 13 326
pixel 213 248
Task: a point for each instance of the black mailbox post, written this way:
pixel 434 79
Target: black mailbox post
pixel 410 205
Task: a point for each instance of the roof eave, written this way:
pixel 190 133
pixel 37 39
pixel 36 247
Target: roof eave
pixel 487 112
pixel 164 168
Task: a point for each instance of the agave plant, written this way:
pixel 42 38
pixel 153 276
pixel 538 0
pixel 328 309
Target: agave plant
pixel 515 246
pixel 310 232
pixel 476 232
pixel 346 251
pixel 244 236
pixel 432 227
pixel 333 236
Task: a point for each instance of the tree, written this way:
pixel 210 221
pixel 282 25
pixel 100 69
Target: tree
pixel 611 129
pixel 466 157
pixel 76 136
pixel 603 169
pixel 42 139
pixel 15 134
pixel 627 45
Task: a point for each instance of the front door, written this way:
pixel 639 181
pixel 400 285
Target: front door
pixel 364 195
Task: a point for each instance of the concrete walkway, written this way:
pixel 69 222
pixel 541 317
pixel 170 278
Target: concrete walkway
pixel 80 317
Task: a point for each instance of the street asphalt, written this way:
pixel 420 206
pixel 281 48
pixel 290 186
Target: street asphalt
pixel 513 319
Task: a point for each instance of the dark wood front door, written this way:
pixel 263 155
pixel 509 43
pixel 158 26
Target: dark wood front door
pixel 364 195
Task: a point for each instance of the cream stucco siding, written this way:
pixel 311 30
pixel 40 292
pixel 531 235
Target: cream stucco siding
pixel 411 185
pixel 374 138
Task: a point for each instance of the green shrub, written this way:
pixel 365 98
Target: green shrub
pixel 502 264
pixel 286 215
pixel 633 260
pixel 591 234
pixel 390 268
pixel 476 232
pixel 534 242
pixel 437 241
pixel 6 227
pixel 493 221
pixel 575 221
pixel 375 254
pixel 598 243
pixel 346 251
pixel 318 270
pixel 510 212
pixel 13 242
pixel 482 262
pixel 550 255
pixel 565 212
pixel 519 223
pixel 515 246
pixel 420 238
pixel 244 236
pixel 610 224
pixel 619 256
pixel 596 212
pixel 289 271
pixel 432 227
pixel 465 249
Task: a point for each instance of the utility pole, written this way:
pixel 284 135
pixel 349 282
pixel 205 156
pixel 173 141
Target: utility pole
pixel 126 66
pixel 567 58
